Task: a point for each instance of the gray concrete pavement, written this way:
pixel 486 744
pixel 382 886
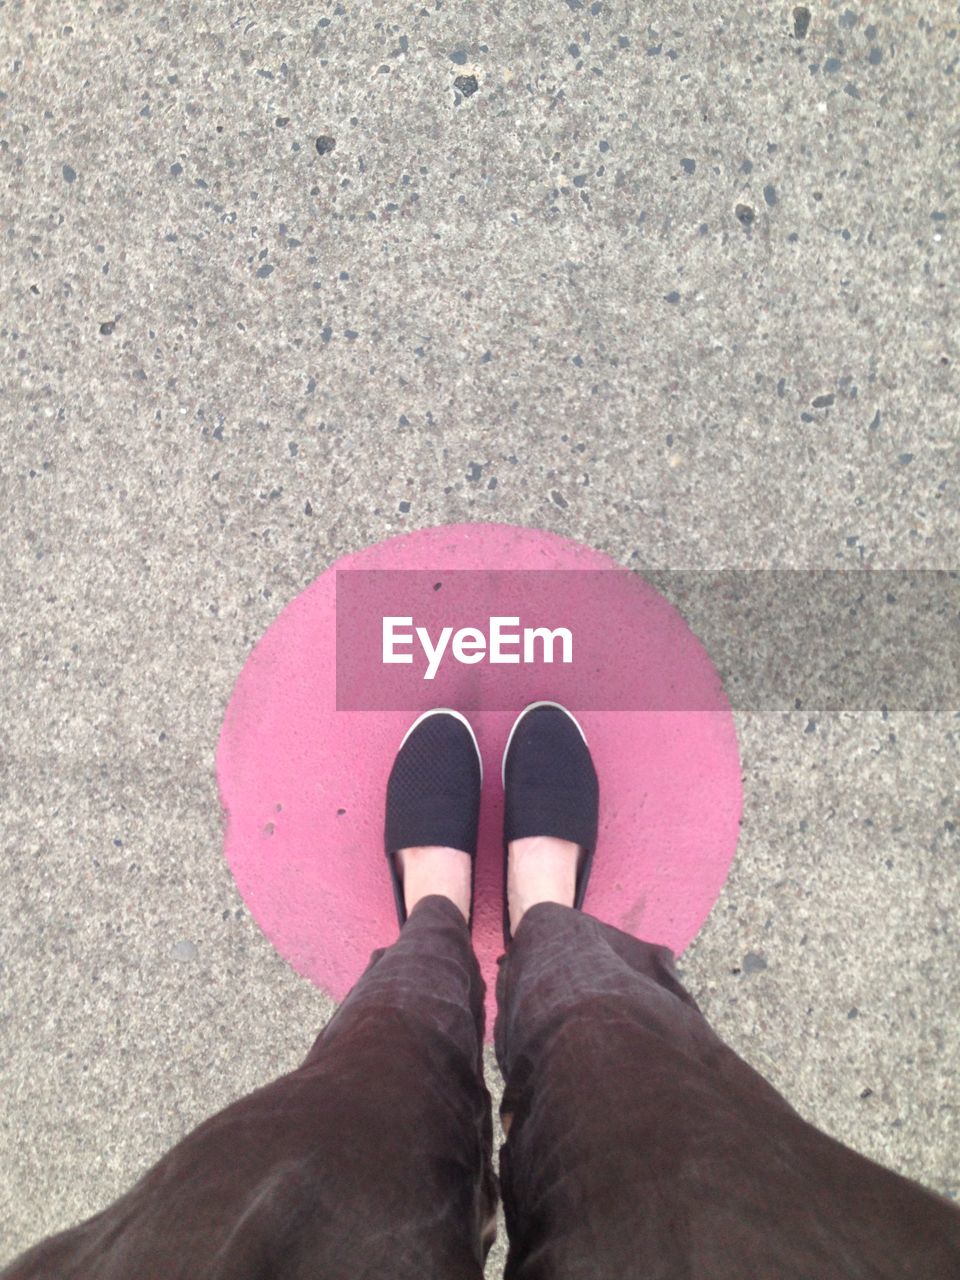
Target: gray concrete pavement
pixel 676 283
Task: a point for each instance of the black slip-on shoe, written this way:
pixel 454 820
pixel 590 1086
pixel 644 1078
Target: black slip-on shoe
pixel 550 789
pixel 433 792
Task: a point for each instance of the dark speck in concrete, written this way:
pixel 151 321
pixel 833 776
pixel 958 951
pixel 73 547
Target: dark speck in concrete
pixel 780 387
pixel 325 143
pixel 492 482
pixel 307 509
pixel 176 169
pixel 264 271
pixel 351 334
pixel 467 85
pixel 822 402
pixel 474 472
pixel 874 56
pixel 673 296
pixel 688 165
pixel 107 328
pixel 848 19
pixel 404 507
pixel 853 1013
pixel 459 56
pixel 558 498
pixel 326 333
pixel 851 90
pixel 580 180
pixel 573 50
pixel 831 65
pixel 282 121
pixel 69 174
pixel 770 194
pixel 745 214
pixel 623 42
pixel 341 812
pixel 811 727
pixel 604 146
pixel 866 1093
pixel 654 49
pixel 747 166
pixel 801 22
pixel 904 458
pixel 938 217
pixel 876 421
pixel 753 962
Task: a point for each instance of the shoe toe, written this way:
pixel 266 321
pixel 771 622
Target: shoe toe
pixel 433 792
pixel 548 744
pixel 550 781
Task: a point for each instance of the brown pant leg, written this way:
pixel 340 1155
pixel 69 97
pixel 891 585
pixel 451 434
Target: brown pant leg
pixel 641 1146
pixel 372 1159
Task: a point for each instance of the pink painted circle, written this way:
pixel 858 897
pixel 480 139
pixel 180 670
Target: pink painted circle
pixel 302 784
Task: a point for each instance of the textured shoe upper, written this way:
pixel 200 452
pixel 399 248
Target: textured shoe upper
pixel 551 786
pixel 433 792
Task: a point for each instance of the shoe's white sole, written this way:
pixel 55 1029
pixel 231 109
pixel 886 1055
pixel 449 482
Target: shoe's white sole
pixel 457 715
pixel 532 707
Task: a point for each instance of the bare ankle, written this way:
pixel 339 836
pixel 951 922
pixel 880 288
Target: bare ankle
pixel 427 869
pixel 540 869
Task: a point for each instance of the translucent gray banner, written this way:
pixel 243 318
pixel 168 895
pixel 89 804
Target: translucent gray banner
pixel 778 640
pixel 827 640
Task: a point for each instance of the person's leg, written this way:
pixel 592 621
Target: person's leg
pixel 639 1145
pixel 373 1158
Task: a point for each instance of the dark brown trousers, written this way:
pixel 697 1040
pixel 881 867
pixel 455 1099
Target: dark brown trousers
pixel 640 1145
